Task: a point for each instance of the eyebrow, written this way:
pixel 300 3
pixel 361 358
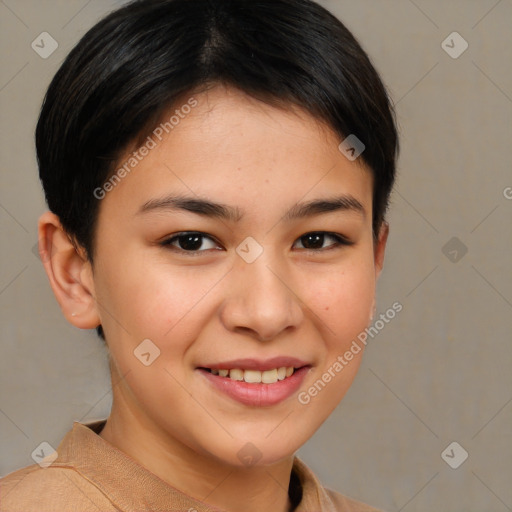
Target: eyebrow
pixel 200 206
pixel 318 206
pixel 218 210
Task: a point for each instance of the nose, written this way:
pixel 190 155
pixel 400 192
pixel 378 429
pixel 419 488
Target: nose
pixel 261 301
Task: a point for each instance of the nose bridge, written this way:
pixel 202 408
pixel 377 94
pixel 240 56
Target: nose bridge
pixel 261 299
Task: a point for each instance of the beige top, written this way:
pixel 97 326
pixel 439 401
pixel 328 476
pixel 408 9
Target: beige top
pixel 91 475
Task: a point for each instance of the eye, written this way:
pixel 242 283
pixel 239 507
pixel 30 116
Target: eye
pixel 192 241
pixel 315 241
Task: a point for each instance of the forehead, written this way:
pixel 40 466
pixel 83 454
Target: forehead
pixel 232 148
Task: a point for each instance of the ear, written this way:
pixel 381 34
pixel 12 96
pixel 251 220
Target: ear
pixel 380 248
pixel 69 272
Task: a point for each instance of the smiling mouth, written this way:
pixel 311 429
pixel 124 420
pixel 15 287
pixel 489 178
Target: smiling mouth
pixel 254 376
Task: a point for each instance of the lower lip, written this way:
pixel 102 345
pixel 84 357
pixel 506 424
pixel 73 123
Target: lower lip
pixel 258 395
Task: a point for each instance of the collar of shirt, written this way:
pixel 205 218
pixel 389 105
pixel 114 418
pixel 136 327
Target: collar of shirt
pixel 131 487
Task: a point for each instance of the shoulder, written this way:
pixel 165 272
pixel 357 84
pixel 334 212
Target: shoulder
pixel 36 489
pixel 314 496
pixel 345 504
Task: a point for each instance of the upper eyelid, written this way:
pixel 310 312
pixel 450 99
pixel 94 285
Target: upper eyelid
pixel 167 239
pixel 341 239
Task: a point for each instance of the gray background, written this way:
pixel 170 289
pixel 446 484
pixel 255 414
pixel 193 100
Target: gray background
pixel 439 372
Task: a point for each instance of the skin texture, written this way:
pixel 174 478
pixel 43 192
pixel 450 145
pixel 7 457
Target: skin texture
pixel 213 306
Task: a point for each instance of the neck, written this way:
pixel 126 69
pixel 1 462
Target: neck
pixel 205 478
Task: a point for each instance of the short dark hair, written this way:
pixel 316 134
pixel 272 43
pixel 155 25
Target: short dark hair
pixel 134 65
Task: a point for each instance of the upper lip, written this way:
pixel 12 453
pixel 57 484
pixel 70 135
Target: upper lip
pixel 257 364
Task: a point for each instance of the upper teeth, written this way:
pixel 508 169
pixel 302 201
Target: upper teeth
pixel 255 376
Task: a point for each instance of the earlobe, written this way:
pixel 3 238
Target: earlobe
pixel 380 248
pixel 69 273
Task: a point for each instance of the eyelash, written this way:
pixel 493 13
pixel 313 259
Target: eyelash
pixel 340 240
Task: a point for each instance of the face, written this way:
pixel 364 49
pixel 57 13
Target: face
pixel 242 241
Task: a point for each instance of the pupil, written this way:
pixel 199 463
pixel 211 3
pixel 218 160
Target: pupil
pixel 190 242
pixel 313 241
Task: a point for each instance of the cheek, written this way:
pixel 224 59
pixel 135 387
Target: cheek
pixel 343 300
pixel 163 304
pixel 342 303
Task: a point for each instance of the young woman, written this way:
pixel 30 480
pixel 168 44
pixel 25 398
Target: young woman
pixel 217 174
